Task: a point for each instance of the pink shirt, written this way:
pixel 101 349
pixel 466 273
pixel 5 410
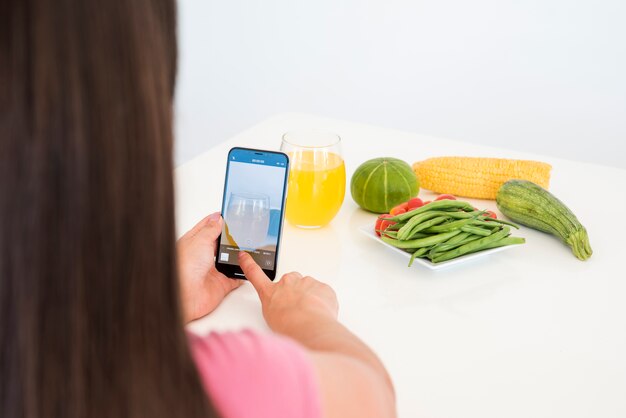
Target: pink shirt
pixel 251 375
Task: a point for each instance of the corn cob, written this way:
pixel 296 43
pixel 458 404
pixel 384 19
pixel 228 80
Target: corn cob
pixel 477 177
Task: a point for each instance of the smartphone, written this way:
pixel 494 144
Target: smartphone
pixel 253 208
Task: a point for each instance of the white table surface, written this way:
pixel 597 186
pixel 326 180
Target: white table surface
pixel 531 332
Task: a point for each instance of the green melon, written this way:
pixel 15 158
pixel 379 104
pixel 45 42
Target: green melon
pixel 380 184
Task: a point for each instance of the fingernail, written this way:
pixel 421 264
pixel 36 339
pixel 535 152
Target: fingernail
pixel 214 216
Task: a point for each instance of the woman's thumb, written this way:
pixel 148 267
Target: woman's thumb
pixel 213 227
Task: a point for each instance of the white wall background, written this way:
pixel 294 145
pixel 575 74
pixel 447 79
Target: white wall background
pixel 546 76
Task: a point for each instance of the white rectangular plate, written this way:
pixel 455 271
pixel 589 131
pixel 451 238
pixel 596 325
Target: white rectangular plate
pixel 368 230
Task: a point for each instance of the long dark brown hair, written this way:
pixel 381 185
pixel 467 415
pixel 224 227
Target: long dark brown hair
pixel 90 318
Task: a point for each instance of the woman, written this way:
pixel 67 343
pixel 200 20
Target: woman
pixel 93 297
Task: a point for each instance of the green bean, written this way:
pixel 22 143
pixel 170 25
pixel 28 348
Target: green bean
pixel 436 205
pixel 395 227
pixel 472 246
pixel 418 235
pixel 422 242
pixel 449 226
pixel 391 234
pixel 457 238
pixel 418 253
pixel 501 243
pixel 424 225
pixel 447 246
pixel 405 231
pixel 498 221
pixel 485 224
pixel 417 219
pixel 458 214
pixel 465 220
pixel 462 214
pixel 386 231
pixel 476 231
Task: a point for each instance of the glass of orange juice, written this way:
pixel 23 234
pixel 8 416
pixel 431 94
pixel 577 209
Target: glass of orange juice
pixel 317 178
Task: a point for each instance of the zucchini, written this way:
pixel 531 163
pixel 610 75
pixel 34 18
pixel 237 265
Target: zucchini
pixel 529 204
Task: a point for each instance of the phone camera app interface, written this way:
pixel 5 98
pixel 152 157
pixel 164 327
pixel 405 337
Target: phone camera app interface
pixel 252 210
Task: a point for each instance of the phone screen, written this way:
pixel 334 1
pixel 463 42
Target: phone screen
pixel 252 208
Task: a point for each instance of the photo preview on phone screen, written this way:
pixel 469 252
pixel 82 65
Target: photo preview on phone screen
pixel 252 210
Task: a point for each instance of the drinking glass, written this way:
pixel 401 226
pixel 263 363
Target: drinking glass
pixel 317 178
pixel 248 219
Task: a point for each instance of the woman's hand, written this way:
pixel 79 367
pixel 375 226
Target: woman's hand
pixel 202 287
pixel 352 380
pixel 291 300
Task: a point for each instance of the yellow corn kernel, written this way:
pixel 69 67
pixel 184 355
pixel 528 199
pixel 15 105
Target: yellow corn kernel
pixel 477 177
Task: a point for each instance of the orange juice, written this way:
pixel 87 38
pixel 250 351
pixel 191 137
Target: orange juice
pixel 317 185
